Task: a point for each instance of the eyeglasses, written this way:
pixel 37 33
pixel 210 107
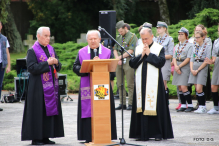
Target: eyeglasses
pixel 197 37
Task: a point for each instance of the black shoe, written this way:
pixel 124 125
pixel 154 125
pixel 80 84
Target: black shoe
pixel 189 109
pixel 1 109
pixel 157 139
pixel 37 142
pixel 181 109
pixel 47 141
pixel 129 107
pixel 120 107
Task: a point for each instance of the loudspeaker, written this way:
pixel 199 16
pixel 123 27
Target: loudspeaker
pixel 107 20
pixel 62 78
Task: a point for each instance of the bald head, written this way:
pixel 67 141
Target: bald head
pixel 146 30
pixel 146 36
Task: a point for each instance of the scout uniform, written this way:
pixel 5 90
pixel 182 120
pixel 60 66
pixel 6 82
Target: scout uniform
pixel 207 40
pixel 128 41
pixel 145 25
pixel 168 43
pixel 182 52
pixel 215 77
pixel 215 53
pixel 199 53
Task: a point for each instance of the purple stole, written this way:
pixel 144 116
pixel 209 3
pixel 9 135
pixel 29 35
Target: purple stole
pixel 50 91
pixel 85 81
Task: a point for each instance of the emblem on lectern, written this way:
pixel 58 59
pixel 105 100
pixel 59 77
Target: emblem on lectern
pixel 101 92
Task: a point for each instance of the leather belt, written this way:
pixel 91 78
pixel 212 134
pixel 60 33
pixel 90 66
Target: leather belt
pixel 180 60
pixel 198 60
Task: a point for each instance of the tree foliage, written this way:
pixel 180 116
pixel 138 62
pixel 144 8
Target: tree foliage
pixel 3 10
pixel 208 17
pixel 66 18
pixel 199 5
pixel 12 34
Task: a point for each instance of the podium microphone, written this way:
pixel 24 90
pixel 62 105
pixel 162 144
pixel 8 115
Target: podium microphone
pixel 95 52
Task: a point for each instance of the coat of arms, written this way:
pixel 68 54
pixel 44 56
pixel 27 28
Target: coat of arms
pixel 101 91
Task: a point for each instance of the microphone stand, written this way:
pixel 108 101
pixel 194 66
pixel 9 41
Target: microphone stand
pixel 122 140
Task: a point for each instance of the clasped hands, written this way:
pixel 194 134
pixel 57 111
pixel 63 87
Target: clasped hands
pixel 177 69
pixel 146 50
pixel 52 61
pixel 194 72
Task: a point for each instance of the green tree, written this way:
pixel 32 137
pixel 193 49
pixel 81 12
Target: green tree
pixel 66 18
pixel 10 28
pixel 199 5
pixel 4 12
pixel 164 12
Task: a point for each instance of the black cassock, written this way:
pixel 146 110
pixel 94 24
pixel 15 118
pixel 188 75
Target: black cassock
pixel 143 126
pixel 84 124
pixel 36 125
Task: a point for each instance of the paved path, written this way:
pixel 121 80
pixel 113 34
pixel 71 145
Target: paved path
pixel 189 128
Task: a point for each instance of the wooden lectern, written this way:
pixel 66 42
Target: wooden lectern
pixel 100 98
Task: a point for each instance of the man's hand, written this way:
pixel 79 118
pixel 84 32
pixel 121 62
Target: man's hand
pixel 119 57
pixel 50 61
pixel 96 58
pixel 147 50
pixel 8 69
pixel 120 62
pixel 55 61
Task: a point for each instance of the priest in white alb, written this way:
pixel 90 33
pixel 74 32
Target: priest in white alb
pixel 150 112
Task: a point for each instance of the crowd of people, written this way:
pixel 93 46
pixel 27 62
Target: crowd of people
pixel 188 61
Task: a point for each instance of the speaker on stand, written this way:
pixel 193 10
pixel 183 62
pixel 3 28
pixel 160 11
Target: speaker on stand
pixel 107 20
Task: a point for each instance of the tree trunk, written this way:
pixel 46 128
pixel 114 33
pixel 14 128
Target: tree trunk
pixel 10 31
pixel 164 12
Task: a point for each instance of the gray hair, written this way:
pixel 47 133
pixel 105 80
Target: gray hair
pixel 40 30
pixel 144 30
pixel 92 31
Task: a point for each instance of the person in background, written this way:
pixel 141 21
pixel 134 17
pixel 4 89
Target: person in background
pixel 42 117
pixel 128 40
pixel 199 68
pixel 177 89
pixel 145 25
pixel 215 77
pixel 207 40
pixel 5 62
pixel 181 59
pixel 168 43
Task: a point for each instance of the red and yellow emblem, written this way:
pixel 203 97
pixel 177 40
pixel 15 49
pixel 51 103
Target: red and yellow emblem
pixel 101 92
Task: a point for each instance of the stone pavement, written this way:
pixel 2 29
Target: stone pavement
pixel 189 129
